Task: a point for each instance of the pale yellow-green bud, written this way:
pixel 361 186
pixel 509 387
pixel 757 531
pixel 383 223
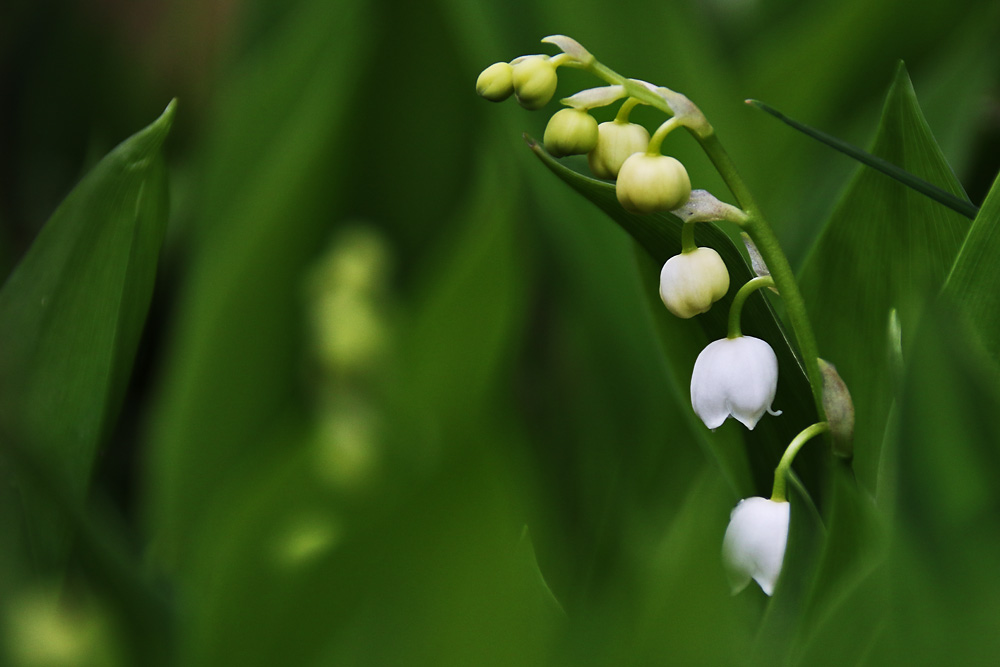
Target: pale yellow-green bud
pixel 496 83
pixel 692 281
pixel 570 132
pixel 616 141
pixel 650 183
pixel 534 81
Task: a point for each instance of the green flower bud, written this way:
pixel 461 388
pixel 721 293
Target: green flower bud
pixel 650 183
pixel 496 83
pixel 616 141
pixel 692 281
pixel 570 132
pixel 839 409
pixel 534 81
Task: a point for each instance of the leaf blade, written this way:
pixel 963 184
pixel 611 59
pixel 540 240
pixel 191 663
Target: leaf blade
pixel 71 315
pixel 884 247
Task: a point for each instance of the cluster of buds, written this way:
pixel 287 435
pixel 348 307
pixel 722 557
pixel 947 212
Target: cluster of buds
pixel 735 376
pixel 619 150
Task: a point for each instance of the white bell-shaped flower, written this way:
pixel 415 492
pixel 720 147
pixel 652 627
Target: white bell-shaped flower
pixel 754 545
pixel 735 377
pixel 692 281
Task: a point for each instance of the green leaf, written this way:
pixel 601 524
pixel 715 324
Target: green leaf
pixel 686 614
pixel 71 315
pixel 974 282
pixel 958 204
pixel 885 247
pixel 844 600
pixel 786 611
pixel 659 235
pixel 945 589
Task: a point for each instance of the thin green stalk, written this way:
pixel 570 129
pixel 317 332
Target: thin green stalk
pixel 779 490
pixel 626 109
pixel 736 308
pixel 687 238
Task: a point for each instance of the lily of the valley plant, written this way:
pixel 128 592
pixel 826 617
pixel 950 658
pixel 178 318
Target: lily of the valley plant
pixel 736 376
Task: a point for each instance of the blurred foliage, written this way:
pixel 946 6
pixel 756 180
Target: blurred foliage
pixel 383 339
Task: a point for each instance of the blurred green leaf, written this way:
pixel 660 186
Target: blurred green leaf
pixel 974 282
pixel 468 313
pixel 844 600
pixel 945 591
pixel 686 614
pixel 659 236
pixel 786 610
pixel 267 198
pixel 885 247
pixel 71 315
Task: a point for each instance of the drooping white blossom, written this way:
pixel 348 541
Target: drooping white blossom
pixel 754 545
pixel 734 377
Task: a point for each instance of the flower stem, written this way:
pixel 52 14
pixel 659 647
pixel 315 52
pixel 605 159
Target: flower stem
pixel 626 109
pixel 736 308
pixel 778 492
pixel 687 238
pixel 661 133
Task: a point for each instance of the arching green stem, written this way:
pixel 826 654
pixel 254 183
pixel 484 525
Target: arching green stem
pixel 736 308
pixel 626 109
pixel 661 133
pixel 778 492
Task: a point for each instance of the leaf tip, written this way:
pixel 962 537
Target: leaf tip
pixel 166 119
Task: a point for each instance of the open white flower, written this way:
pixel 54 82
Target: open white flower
pixel 734 377
pixel 754 545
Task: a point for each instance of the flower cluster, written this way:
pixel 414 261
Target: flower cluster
pixel 736 376
pixel 646 180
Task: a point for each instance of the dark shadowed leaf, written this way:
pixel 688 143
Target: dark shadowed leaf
pixel 71 315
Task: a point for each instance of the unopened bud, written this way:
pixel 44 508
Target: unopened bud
pixel 570 132
pixel 534 79
pixel 616 142
pixel 650 183
pixel 692 281
pixel 839 410
pixel 496 83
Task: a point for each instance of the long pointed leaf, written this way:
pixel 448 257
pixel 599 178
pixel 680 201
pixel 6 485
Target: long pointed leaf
pixel 71 315
pixel 885 247
pixel 957 204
